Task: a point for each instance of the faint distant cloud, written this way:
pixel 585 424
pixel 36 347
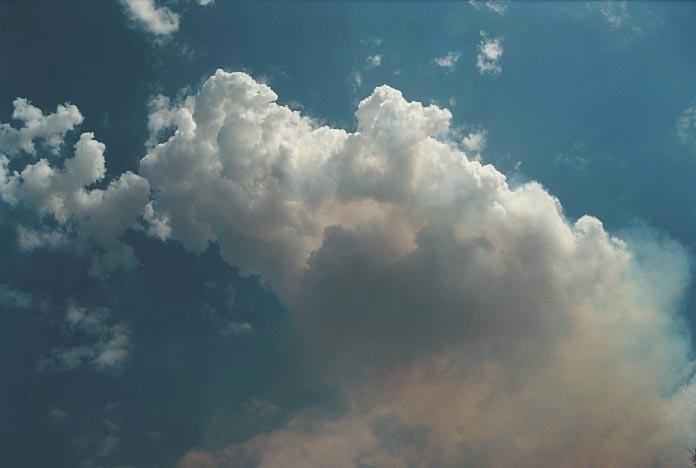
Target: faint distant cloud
pixel 614 12
pixel 496 6
pixel 686 126
pixel 219 310
pixel 206 2
pixel 160 21
pixel 105 342
pixel 11 298
pixel 616 15
pixel 449 61
pixel 490 51
pixel 374 61
pixel 372 41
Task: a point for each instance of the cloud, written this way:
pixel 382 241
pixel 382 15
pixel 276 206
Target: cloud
pixel 50 129
pixel 160 21
pixel 66 211
pixel 108 342
pixel 686 126
pixel 496 6
pixel 374 61
pixel 15 299
pixel 448 62
pixel 489 53
pixel 614 12
pixel 475 142
pixel 206 2
pixel 464 321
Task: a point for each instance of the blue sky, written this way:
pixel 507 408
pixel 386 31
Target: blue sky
pixel 285 263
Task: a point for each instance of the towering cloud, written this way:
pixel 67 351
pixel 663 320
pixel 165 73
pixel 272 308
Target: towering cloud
pixel 466 321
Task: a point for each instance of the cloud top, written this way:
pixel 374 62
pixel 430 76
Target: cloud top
pixel 464 320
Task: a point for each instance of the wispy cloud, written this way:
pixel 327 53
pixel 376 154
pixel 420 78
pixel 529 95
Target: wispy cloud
pixel 160 21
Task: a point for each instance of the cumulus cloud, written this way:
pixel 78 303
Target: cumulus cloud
pixel 108 342
pixel 465 321
pixel 67 211
pixel 50 129
pixel 206 2
pixel 160 21
pixel 448 62
pixel 489 53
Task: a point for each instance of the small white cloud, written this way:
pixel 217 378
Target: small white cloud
pixel 206 2
pixel 489 53
pixel 374 61
pixel 160 21
pixel 448 62
pixel 475 142
pixel 496 6
pixel 686 126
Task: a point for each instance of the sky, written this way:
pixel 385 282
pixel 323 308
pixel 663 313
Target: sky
pixel 347 234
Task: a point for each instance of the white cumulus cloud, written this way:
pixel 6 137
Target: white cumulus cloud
pixel 686 126
pixel 465 321
pixel 490 51
pixel 67 210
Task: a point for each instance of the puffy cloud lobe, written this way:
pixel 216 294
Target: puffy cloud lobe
pixel 51 128
pixel 466 322
pixel 156 20
pixel 77 215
